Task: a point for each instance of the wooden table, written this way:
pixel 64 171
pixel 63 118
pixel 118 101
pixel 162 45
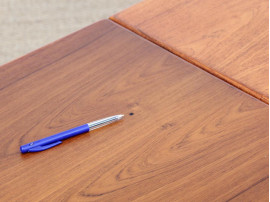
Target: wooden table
pixel 192 136
pixel 227 39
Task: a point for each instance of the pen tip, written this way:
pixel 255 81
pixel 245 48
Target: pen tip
pixel 120 116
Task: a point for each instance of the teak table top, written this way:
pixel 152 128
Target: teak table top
pixel 226 38
pixel 192 137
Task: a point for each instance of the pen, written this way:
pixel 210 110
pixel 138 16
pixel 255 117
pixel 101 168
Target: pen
pixel 51 141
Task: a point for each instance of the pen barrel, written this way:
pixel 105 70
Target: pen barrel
pixel 55 138
pixel 64 135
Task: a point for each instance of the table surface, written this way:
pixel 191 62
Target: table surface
pixel 192 136
pixel 228 39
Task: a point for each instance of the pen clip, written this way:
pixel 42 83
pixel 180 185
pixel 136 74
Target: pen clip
pixel 44 147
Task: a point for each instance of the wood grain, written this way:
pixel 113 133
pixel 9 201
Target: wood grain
pixel 256 192
pixel 192 137
pixel 229 39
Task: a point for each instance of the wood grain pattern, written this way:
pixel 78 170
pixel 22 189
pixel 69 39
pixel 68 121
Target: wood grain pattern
pixel 256 192
pixel 192 137
pixel 229 39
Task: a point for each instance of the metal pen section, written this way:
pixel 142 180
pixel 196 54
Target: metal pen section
pixel 103 122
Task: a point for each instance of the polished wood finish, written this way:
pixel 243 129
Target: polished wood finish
pixel 257 192
pixel 192 137
pixel 229 39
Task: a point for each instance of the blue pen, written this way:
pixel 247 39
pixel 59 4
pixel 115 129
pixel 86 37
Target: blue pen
pixel 51 141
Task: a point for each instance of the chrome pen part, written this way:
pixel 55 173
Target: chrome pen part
pixel 103 122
